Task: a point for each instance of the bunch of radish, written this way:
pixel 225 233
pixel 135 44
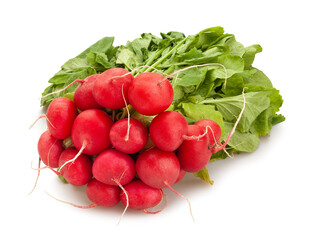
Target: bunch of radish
pixel 123 159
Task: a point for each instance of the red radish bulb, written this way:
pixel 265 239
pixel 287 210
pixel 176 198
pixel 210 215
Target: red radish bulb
pixel 140 195
pixel 213 128
pixel 91 131
pixel 113 167
pixel 130 140
pixel 167 130
pixel 150 93
pixel 194 154
pixel 110 87
pixel 158 169
pixel 83 96
pixel 49 149
pixel 77 173
pixel 103 194
pixel 60 116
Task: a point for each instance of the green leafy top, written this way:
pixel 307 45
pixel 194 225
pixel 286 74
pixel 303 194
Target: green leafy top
pixel 199 92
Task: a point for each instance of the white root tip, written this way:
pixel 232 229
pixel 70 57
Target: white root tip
pixel 38 169
pixel 72 204
pixel 185 198
pixel 63 89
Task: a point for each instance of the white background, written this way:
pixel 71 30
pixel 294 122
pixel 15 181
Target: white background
pixel 262 195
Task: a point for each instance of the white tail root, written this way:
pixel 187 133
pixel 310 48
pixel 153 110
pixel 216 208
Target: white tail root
pixel 185 198
pixel 72 204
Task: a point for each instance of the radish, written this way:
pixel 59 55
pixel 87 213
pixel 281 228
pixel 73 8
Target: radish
pixel 194 154
pixel 78 173
pixel 113 167
pixel 141 196
pixel 128 135
pixel 158 169
pixel 107 90
pixel 60 116
pixel 83 97
pixel 213 128
pixel 167 130
pixel 102 194
pixel 49 149
pixel 150 93
pixel 90 131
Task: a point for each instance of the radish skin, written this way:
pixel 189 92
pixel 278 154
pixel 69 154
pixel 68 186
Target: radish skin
pixel 78 173
pixel 141 196
pixel 83 96
pixel 148 95
pixel 194 154
pixel 167 130
pixel 113 167
pixel 158 168
pixel 103 194
pixel 60 116
pixel 128 142
pixel 107 90
pixel 91 130
pixel 49 149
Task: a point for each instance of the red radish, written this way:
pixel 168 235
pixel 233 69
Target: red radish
pixel 213 128
pixel 78 173
pixel 49 149
pixel 150 93
pixel 167 130
pixel 107 90
pixel 128 137
pixel 83 97
pixel 90 131
pixel 103 194
pixel 194 154
pixel 113 167
pixel 158 169
pixel 141 196
pixel 60 116
pixel 181 175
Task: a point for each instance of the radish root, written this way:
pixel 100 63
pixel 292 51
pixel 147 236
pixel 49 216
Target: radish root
pixel 185 137
pixel 63 89
pixel 158 211
pixel 128 129
pixel 36 177
pixel 127 198
pixel 72 204
pixel 84 145
pixel 41 116
pixel 222 147
pixel 185 198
